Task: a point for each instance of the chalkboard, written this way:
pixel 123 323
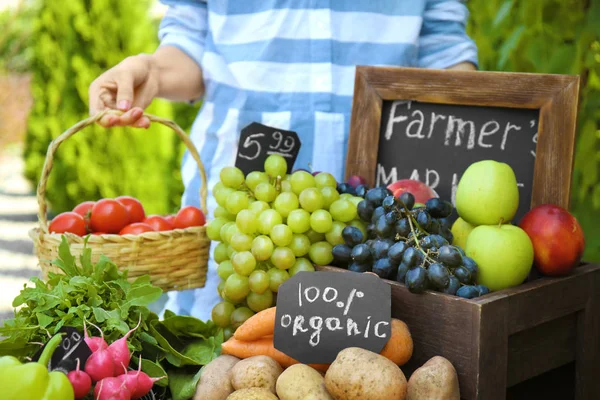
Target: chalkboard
pixel 526 120
pixel 71 348
pixel 321 313
pixel 258 141
pixel 436 143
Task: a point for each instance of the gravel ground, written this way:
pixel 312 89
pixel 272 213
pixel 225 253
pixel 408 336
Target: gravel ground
pixel 18 209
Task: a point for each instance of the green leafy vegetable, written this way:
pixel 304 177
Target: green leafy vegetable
pixel 176 347
pixel 204 351
pixel 185 325
pixel 155 370
pixel 99 293
pixel 183 382
pixel 173 345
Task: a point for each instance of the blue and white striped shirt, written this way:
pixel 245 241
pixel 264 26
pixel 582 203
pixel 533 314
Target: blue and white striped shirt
pixel 290 64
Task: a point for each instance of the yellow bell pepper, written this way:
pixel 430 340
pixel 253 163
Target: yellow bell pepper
pixel 33 381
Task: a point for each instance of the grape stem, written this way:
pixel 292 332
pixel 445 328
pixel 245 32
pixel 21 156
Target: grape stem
pixel 244 187
pixel 427 256
pixel 420 228
pixel 417 244
pixel 278 183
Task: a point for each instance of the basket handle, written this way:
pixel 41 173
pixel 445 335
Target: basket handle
pixel 53 147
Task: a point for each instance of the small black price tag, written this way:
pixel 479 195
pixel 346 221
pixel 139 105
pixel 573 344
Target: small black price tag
pixel 258 141
pixel 321 313
pixel 71 348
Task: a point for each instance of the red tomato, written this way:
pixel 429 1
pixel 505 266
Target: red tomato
pixel 134 208
pixel 109 216
pixel 68 222
pixel 99 233
pixel 136 228
pixel 84 208
pixel 159 223
pixel 170 219
pixel 189 216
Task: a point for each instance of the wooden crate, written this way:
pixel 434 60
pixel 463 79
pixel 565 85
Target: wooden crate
pixel 507 337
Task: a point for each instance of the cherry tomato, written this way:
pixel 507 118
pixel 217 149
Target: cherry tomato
pixel 84 208
pixel 99 233
pixel 109 215
pixel 134 208
pixel 136 228
pixel 68 222
pixel 170 219
pixel 189 216
pixel 159 223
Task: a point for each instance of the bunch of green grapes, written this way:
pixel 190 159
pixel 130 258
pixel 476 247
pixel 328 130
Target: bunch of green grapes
pixel 268 226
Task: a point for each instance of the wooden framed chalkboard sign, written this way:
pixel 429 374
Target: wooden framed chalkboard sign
pixel 430 125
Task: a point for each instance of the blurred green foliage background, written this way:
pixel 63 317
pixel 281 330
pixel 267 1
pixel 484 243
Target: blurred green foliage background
pixel 65 45
pixel 68 45
pixel 557 37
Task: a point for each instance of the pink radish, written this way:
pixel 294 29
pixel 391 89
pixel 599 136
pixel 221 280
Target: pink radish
pixel 111 389
pixel 119 351
pixel 100 365
pixel 81 382
pixel 138 382
pixel 94 343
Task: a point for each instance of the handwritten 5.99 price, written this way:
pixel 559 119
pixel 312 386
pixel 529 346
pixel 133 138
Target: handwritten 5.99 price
pixel 278 144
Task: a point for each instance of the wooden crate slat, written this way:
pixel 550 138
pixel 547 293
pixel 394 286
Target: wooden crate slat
pixel 587 373
pixel 490 358
pixel 545 347
pixel 544 299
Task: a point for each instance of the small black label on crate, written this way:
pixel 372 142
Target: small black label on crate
pixel 258 141
pixel 71 348
pixel 321 313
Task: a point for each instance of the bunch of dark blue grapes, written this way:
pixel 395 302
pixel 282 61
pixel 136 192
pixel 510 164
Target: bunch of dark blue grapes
pixel 407 243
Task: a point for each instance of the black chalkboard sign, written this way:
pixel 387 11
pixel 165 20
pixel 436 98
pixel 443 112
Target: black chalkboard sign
pixel 431 124
pixel 71 348
pixel 321 313
pixel 436 143
pixel 258 141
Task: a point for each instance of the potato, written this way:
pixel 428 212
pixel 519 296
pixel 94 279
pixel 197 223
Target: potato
pixel 256 372
pixel 361 374
pixel 318 393
pixel 252 394
pixel 297 381
pixel 436 379
pixel 215 382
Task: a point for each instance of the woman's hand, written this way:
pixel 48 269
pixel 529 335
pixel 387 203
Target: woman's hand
pixel 130 87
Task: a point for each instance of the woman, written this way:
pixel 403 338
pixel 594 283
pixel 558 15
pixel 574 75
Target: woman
pixel 285 63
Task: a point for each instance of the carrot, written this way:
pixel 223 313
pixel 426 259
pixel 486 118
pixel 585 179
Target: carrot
pixel 399 348
pixel 262 347
pixel 320 367
pixel 256 334
pixel 259 325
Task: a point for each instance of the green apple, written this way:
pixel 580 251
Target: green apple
pixel 503 253
pixel 461 230
pixel 487 193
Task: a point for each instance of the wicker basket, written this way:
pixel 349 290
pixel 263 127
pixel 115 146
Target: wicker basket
pixel 174 260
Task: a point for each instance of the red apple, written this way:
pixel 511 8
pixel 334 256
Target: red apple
pixel 356 180
pixel 558 240
pixel 421 191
